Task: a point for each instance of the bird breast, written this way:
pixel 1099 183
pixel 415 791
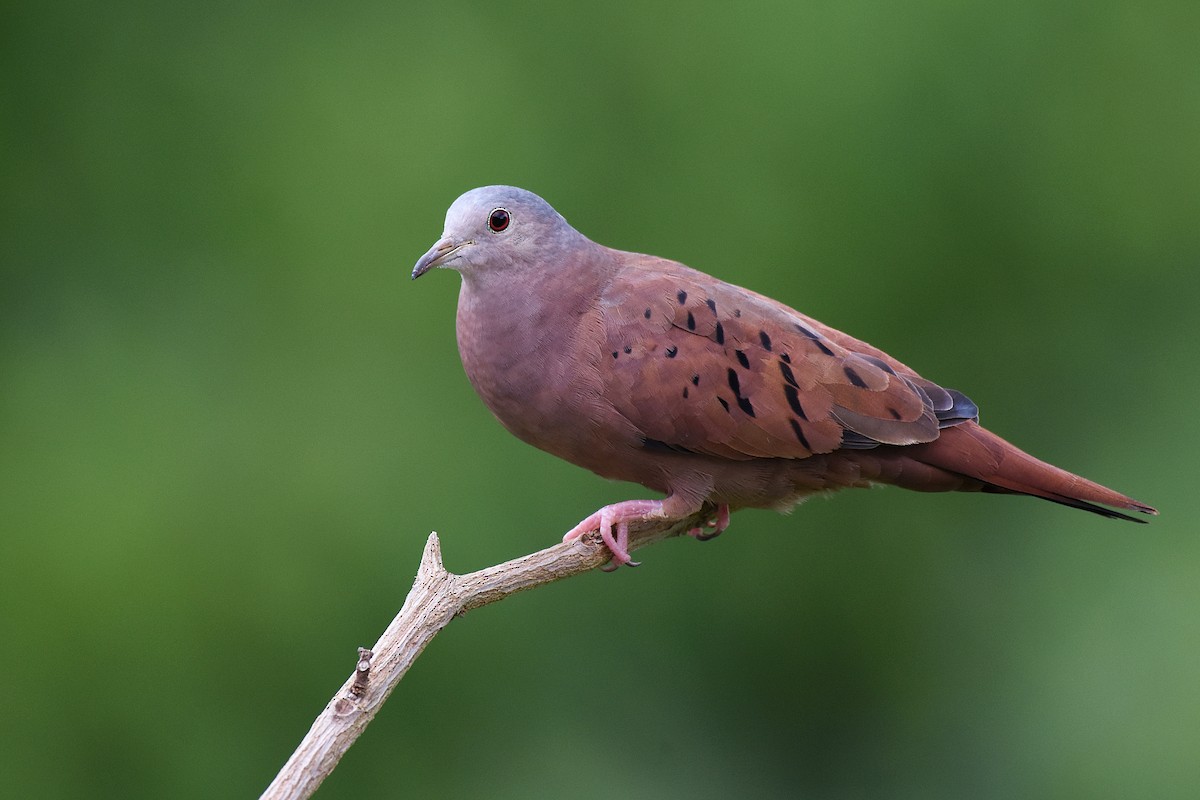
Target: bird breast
pixel 527 357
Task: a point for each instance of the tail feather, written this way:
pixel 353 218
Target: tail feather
pixel 1069 501
pixel 975 452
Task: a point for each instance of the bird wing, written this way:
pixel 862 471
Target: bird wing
pixel 698 365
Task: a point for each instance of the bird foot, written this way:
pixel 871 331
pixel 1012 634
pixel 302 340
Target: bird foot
pixel 617 517
pixel 718 523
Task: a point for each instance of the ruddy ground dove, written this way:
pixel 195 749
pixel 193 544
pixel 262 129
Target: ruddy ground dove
pixel 642 369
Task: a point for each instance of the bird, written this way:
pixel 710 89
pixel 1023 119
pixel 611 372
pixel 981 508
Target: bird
pixel 642 369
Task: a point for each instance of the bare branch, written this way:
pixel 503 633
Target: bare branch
pixel 437 596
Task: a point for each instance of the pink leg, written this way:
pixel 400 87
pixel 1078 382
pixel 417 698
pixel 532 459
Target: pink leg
pixel 618 546
pixel 617 515
pixel 718 523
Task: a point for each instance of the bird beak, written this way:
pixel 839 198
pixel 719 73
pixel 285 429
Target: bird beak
pixel 438 256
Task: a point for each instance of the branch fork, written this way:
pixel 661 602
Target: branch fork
pixel 437 597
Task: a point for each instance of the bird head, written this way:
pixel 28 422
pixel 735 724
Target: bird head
pixel 497 228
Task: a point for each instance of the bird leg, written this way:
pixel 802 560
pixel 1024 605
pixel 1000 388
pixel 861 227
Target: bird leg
pixel 618 516
pixel 719 523
pixel 612 522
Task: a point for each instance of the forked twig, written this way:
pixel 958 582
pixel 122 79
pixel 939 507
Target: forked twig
pixel 437 597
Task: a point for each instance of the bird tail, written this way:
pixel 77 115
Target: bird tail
pixel 974 452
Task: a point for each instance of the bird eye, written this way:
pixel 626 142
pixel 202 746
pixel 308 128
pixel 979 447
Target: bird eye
pixel 498 220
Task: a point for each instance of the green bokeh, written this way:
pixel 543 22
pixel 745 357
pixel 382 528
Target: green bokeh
pixel 228 420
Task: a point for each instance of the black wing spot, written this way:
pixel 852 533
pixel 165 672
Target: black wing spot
pixel 800 435
pixel 628 349
pixel 785 358
pixel 695 380
pixel 737 312
pixel 745 362
pixel 614 353
pixel 685 392
pixel 765 339
pixel 691 322
pixel 646 313
pixel 895 414
pixel 720 334
pixel 734 383
pixel 712 305
pixel 743 402
pixel 724 404
pixel 879 362
pixel 787 374
pixel 793 398
pixel 682 297
pixel 671 352
pixel 854 377
pixel 815 337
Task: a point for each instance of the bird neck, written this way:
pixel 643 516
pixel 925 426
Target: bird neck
pixel 502 317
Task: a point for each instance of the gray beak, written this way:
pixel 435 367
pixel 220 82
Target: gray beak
pixel 439 255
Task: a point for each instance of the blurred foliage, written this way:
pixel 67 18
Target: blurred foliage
pixel 228 420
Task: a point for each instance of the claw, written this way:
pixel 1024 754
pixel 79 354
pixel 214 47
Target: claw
pixel 718 523
pixel 722 520
pixel 612 566
pixel 617 516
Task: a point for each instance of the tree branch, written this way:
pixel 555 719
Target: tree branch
pixel 437 596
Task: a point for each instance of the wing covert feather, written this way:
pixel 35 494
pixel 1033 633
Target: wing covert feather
pixel 700 365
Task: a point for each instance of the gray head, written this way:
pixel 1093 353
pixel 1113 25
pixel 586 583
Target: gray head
pixel 498 227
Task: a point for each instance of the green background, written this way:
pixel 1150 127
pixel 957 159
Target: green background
pixel 228 420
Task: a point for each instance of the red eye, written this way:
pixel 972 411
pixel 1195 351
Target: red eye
pixel 498 220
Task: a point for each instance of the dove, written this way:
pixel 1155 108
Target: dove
pixel 643 369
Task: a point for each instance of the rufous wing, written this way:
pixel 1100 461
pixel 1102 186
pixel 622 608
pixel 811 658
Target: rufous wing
pixel 702 366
